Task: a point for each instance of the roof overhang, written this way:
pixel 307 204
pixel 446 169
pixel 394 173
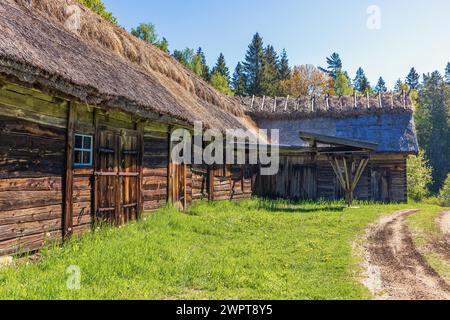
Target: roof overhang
pixel 337 145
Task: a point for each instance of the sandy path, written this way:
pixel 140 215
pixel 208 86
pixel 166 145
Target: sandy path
pixel 444 222
pixel 443 245
pixel 395 269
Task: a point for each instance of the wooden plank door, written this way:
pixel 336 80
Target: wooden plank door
pixel 117 177
pixel 178 185
pixel 129 177
pixel 381 183
pixel 106 191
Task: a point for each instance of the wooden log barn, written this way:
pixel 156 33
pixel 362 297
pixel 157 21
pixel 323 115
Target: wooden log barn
pixel 327 138
pixel 86 115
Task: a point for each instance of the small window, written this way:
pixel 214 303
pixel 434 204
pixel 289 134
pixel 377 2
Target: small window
pixel 83 150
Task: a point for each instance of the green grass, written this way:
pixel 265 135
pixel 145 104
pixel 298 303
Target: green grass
pixel 254 249
pixel 425 231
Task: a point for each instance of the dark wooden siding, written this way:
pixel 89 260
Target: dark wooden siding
pixel 296 179
pixel 199 182
pixel 155 171
pixel 383 180
pixel 32 164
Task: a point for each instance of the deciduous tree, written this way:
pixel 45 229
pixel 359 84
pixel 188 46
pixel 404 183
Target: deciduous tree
pixel 305 80
pixel 147 32
pixel 419 177
pixel 220 83
pixel 99 7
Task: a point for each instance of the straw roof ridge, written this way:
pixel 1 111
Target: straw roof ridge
pixel 39 51
pixel 114 38
pixel 279 108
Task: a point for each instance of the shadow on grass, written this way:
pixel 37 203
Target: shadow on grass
pixel 299 209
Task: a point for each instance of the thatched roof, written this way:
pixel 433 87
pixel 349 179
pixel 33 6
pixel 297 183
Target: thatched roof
pixel 326 106
pixel 102 64
pixel 394 133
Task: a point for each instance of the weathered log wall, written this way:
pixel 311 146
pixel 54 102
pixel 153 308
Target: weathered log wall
pixel 32 166
pixel 155 173
pixel 299 178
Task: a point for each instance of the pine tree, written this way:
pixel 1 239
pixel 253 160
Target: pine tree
pixel 400 86
pixel 284 71
pixel 221 67
pixel 206 75
pixel 239 81
pixel 433 129
pixel 447 74
pixel 361 83
pixel 253 65
pixel 412 80
pixel 269 75
pixel 381 86
pixel 184 56
pixel 334 65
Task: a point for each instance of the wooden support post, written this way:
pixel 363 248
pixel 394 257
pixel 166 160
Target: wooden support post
pixel 404 99
pixel 170 170
pixel 286 104
pixel 96 163
pixel 362 166
pixel 253 101
pixel 210 183
pixel 392 100
pixel 262 104
pixel 368 100
pixel 140 184
pixel 185 203
pixel 380 102
pixel 68 197
pixel 337 170
pixel 118 190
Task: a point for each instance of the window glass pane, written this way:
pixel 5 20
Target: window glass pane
pixel 78 142
pixel 86 157
pixel 87 143
pixel 78 155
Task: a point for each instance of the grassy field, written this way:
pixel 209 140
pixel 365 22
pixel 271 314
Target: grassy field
pixel 254 249
pixel 425 231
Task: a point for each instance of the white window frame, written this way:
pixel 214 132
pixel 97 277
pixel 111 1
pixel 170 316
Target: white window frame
pixel 83 150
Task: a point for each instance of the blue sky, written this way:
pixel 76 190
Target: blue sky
pixel 412 33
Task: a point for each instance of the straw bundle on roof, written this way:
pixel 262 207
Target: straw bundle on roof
pixel 101 63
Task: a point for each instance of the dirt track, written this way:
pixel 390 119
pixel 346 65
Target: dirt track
pixel 395 269
pixel 442 246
